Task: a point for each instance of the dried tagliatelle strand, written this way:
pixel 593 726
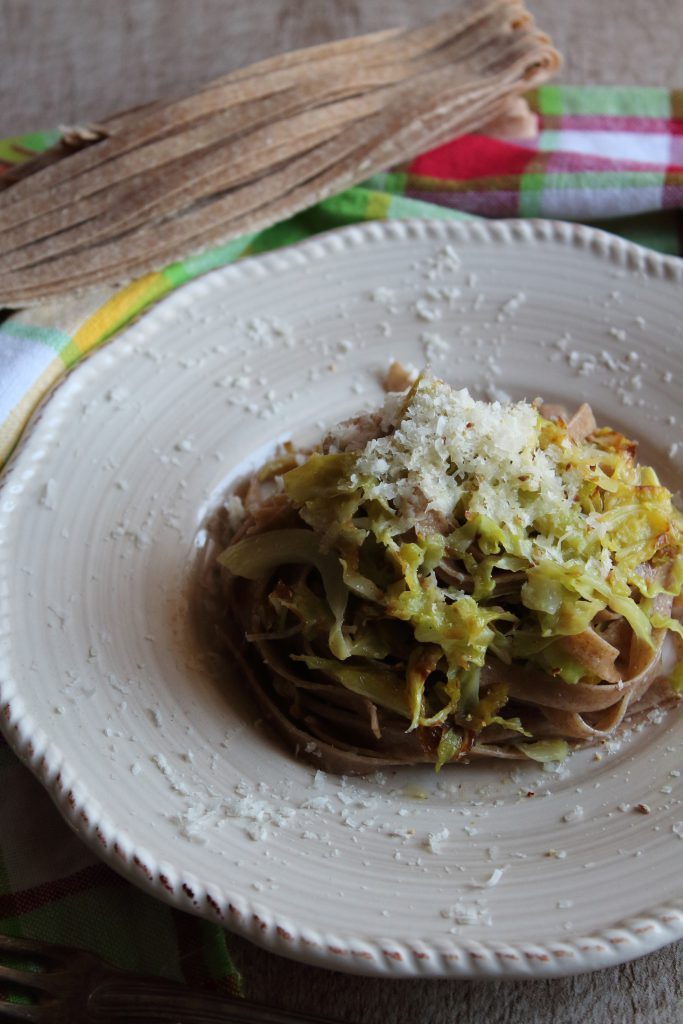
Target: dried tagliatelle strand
pixel 307 179
pixel 176 177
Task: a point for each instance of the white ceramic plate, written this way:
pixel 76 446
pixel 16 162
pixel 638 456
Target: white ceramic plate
pixel 481 870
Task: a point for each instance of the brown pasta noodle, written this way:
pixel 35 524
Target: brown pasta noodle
pixel 428 585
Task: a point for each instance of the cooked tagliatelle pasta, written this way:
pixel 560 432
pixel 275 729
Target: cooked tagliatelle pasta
pixel 446 577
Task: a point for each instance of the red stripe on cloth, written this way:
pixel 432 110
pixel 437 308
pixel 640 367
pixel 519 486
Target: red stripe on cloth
pixel 478 164
pixel 472 156
pixel 12 904
pixel 611 123
pixel 416 183
pixel 672 196
pixel 494 203
pixel 562 161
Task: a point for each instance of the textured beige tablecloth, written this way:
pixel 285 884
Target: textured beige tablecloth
pixel 65 61
pixel 69 61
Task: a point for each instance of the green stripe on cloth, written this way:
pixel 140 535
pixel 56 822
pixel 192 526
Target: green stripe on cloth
pixel 216 958
pixel 619 101
pixel 403 207
pixel 360 203
pixel 388 181
pixel 98 910
pixel 49 336
pixel 184 270
pixel 127 933
pixel 203 955
pixel 547 101
pixel 531 185
pixel 591 180
pixel 21 147
pixel 52 889
pixel 356 204
pixel 531 195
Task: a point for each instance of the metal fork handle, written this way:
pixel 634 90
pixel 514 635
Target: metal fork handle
pixel 135 1002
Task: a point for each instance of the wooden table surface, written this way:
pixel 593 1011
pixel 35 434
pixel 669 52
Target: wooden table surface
pixel 70 61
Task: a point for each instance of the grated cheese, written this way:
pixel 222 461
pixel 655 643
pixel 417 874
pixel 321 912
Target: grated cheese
pixel 444 444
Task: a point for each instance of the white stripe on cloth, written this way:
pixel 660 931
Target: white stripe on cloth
pixel 644 147
pixel 22 362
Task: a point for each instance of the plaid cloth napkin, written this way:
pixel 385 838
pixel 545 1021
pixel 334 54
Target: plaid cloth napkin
pixel 611 157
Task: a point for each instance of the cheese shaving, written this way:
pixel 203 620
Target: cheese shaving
pixel 443 444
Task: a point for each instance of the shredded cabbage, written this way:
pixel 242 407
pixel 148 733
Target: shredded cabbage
pixel 444 569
